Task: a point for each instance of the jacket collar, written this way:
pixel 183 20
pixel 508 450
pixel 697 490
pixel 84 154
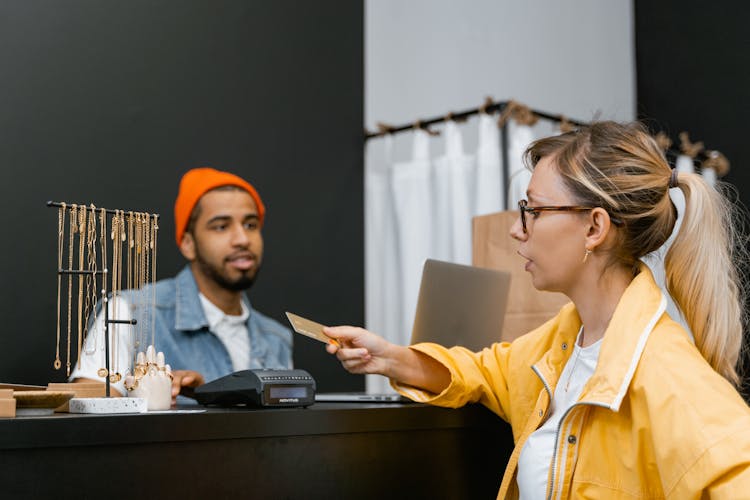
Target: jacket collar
pixel 635 316
pixel 189 313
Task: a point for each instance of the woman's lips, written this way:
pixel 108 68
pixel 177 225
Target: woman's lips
pixel 528 261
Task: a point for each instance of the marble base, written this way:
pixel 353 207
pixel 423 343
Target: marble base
pixel 108 405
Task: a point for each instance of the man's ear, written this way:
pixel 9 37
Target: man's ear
pixel 187 247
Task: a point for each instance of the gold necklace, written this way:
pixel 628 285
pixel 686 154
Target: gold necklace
pixel 147 256
pixel 155 229
pixel 91 301
pixel 71 251
pixel 129 246
pixel 117 233
pixel 82 234
pixel 102 372
pixel 90 276
pixel 60 234
pixel 138 330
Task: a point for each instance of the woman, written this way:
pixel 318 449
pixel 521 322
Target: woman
pixel 611 398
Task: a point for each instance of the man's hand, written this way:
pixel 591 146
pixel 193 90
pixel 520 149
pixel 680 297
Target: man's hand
pixel 183 382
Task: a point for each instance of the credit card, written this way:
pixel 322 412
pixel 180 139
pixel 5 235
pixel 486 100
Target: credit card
pixel 310 329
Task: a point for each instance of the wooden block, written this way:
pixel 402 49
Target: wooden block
pixel 7 407
pixel 6 393
pixel 73 386
pixel 82 390
pixel 22 387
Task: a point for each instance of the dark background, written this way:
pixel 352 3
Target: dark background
pixel 693 74
pixel 110 102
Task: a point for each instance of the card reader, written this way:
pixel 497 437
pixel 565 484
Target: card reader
pixel 259 388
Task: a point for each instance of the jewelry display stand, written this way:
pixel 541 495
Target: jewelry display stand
pixel 106 404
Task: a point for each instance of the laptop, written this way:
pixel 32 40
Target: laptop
pixel 457 305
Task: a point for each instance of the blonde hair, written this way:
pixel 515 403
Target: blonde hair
pixel 620 168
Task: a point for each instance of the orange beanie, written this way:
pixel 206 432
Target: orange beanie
pixel 197 182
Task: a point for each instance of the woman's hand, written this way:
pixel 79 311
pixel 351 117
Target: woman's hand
pixel 360 351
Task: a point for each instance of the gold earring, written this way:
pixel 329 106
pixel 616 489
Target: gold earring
pixel 586 255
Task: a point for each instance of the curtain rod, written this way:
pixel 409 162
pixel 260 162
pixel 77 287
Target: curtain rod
pixel 489 107
pixel 492 107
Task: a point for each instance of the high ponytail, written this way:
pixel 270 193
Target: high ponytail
pixel 702 274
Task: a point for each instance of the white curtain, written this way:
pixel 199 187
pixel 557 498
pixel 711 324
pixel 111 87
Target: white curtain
pixel 519 137
pixel 490 191
pixel 422 208
pixel 382 266
pixel 381 245
pixel 454 201
pixel 684 164
pixel 411 184
pixel 709 175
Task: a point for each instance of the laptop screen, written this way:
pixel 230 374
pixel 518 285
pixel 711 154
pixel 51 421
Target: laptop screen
pixel 460 305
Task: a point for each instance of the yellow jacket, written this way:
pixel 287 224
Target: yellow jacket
pixel 654 421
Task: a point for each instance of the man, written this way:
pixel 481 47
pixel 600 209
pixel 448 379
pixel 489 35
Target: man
pixel 202 321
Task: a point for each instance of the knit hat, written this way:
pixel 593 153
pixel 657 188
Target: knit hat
pixel 197 182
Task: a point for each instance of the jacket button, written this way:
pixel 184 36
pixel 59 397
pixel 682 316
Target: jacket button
pixel 564 346
pixel 541 412
pixel 572 439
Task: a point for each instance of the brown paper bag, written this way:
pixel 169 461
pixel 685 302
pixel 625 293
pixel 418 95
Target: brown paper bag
pixel 493 248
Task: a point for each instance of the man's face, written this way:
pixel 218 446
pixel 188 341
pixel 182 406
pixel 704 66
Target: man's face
pixel 225 242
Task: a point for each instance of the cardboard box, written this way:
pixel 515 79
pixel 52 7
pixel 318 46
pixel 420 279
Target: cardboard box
pixel 493 248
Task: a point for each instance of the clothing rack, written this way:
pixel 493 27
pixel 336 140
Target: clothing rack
pixel 491 107
pixel 488 107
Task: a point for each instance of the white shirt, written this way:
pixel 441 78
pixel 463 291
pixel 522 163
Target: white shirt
pixel 231 330
pixel 536 456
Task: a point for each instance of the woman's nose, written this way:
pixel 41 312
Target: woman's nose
pixel 516 230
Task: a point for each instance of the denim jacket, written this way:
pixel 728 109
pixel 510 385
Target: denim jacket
pixel 182 332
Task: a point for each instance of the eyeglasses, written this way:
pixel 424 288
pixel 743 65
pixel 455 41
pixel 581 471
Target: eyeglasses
pixel 524 209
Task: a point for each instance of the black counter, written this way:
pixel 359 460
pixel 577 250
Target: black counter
pixel 328 450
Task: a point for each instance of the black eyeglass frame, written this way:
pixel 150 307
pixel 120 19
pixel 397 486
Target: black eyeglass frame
pixel 523 208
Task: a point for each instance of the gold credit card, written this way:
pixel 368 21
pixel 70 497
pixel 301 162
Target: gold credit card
pixel 310 329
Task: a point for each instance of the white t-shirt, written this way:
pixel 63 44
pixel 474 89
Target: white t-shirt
pixel 536 456
pixel 231 330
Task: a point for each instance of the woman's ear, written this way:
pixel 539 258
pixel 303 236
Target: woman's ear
pixel 599 228
pixel 187 247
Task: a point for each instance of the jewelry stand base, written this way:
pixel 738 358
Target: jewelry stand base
pixel 108 405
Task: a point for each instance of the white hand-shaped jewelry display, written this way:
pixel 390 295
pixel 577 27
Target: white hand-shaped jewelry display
pixel 152 380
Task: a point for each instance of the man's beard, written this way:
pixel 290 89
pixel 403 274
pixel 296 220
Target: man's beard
pixel 244 282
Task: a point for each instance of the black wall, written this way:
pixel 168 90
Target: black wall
pixel 693 74
pixel 109 102
pixel 693 67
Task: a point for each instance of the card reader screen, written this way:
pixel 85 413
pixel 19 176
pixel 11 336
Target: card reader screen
pixel 288 392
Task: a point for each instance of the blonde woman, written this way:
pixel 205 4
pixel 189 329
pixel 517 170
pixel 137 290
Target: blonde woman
pixel 611 398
